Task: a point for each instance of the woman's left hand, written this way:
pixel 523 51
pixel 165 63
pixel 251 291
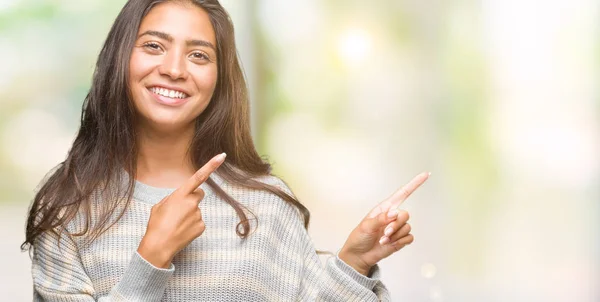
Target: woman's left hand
pixel 382 232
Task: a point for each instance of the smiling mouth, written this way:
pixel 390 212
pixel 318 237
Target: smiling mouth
pixel 173 94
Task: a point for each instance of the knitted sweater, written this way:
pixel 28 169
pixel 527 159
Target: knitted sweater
pixel 277 262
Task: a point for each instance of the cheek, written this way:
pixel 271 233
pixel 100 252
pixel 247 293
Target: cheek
pixel 140 65
pixel 206 80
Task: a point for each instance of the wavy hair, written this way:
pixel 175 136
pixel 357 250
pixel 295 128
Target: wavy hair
pixel 106 143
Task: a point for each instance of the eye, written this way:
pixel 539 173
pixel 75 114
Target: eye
pixel 199 55
pixel 152 46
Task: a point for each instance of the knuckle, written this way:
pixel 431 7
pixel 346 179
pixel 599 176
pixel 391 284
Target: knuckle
pixel 365 227
pixel 403 215
pixel 200 176
pixel 195 200
pixel 199 229
pixel 200 193
pixel 191 202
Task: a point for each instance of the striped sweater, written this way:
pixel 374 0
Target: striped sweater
pixel 277 262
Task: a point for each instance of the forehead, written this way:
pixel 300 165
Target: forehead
pixel 183 21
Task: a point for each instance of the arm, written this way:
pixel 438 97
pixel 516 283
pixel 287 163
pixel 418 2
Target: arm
pixel 338 281
pixel 381 233
pixel 58 275
pixel 353 274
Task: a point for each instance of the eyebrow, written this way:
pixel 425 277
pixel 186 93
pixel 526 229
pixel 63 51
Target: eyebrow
pixel 169 38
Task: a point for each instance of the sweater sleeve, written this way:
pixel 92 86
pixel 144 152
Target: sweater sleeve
pixel 338 281
pixel 58 275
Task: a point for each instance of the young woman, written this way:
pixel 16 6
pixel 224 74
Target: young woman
pixel 167 96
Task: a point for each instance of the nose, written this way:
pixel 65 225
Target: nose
pixel 173 66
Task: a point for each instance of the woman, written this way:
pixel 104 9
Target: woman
pixel 167 95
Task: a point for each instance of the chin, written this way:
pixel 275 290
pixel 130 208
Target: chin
pixel 165 124
pixel 162 119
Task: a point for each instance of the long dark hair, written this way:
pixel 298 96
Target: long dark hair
pixel 106 142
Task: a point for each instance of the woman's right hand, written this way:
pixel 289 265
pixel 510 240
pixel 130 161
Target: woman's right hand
pixel 176 220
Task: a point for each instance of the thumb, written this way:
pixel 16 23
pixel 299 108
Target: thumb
pixel 379 222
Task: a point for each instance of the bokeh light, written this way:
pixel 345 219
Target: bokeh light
pixel 354 46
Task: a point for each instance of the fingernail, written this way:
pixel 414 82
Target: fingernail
pixel 221 157
pixel 392 213
pixel 429 173
pixel 388 231
pixel 384 240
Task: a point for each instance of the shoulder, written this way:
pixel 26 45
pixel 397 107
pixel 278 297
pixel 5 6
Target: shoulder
pixel 243 191
pixel 276 182
pixel 274 204
pixel 285 218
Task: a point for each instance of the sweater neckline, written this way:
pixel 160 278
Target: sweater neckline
pixel 152 195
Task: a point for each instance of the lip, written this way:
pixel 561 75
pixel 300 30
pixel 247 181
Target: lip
pixel 166 100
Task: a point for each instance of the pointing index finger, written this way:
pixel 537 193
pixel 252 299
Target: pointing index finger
pixel 202 174
pixel 398 198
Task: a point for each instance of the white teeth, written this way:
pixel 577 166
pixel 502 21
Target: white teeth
pixel 168 93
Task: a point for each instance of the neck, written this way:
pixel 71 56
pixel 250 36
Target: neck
pixel 163 159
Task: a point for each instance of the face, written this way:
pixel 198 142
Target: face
pixel 173 66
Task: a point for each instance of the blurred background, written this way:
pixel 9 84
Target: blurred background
pixel 499 99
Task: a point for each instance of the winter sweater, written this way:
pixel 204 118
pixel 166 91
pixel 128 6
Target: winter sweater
pixel 276 262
